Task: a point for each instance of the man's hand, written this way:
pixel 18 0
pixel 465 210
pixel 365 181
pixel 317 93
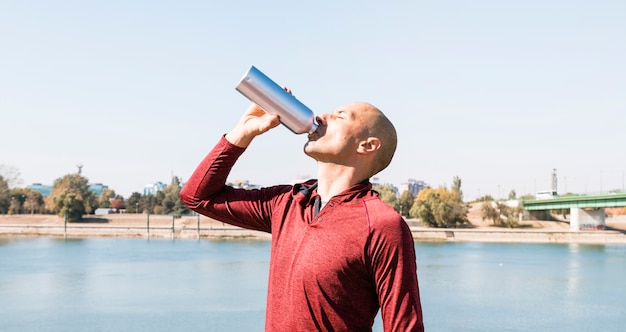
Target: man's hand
pixel 253 123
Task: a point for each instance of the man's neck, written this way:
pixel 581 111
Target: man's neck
pixel 333 179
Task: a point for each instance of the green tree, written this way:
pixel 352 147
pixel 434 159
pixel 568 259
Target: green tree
pixel 152 203
pixel 387 194
pixel 439 208
pixel 456 186
pixel 171 202
pixel 71 197
pixel 405 203
pixel 135 203
pixel 501 214
pixel 69 205
pixel 490 212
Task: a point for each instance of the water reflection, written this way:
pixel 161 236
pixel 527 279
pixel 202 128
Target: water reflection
pixel 573 270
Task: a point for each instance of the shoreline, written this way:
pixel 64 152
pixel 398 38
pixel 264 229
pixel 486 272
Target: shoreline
pixel 519 236
pixel 201 227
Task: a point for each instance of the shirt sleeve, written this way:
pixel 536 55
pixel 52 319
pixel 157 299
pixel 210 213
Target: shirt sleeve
pixel 206 192
pixel 394 269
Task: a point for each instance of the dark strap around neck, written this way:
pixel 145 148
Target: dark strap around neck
pixel 317 205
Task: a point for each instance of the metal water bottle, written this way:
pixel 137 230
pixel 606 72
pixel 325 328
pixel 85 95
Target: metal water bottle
pixel 261 90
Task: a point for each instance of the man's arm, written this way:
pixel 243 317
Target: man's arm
pixel 206 192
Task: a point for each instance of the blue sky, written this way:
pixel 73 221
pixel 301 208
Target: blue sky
pixel 499 93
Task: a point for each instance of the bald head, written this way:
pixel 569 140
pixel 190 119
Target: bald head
pixel 376 124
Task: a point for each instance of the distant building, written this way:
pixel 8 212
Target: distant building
pixel 546 194
pixel 44 190
pixel 412 185
pixel 97 188
pixel 153 188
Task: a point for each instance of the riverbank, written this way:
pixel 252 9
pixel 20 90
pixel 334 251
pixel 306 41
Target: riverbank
pixel 190 227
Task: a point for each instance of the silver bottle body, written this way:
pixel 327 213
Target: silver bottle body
pixel 261 90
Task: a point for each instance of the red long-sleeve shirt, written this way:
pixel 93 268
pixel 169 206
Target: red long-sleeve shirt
pixel 332 271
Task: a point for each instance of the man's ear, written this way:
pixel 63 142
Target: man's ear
pixel 371 144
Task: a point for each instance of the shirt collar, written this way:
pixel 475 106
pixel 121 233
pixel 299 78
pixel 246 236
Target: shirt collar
pixel 308 189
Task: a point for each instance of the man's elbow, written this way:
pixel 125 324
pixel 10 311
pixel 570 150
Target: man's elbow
pixel 188 198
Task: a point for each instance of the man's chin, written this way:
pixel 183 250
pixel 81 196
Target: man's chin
pixel 308 149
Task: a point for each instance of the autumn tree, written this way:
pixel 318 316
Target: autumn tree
pixel 71 197
pixel 117 203
pixel 18 200
pixel 439 208
pixel 34 202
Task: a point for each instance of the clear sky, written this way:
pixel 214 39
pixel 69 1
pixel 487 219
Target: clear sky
pixel 499 93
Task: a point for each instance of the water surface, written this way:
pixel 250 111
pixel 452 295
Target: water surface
pixel 49 284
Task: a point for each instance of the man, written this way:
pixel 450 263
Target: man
pixel 339 253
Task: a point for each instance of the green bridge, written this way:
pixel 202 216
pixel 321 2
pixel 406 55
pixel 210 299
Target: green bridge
pixel 576 201
pixel 586 211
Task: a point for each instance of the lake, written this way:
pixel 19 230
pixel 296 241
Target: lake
pixel 119 284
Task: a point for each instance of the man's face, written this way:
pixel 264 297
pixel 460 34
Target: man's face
pixel 338 134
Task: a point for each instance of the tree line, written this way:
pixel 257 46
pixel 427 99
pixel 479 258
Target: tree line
pixel 71 198
pixel 434 207
pixel 444 207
